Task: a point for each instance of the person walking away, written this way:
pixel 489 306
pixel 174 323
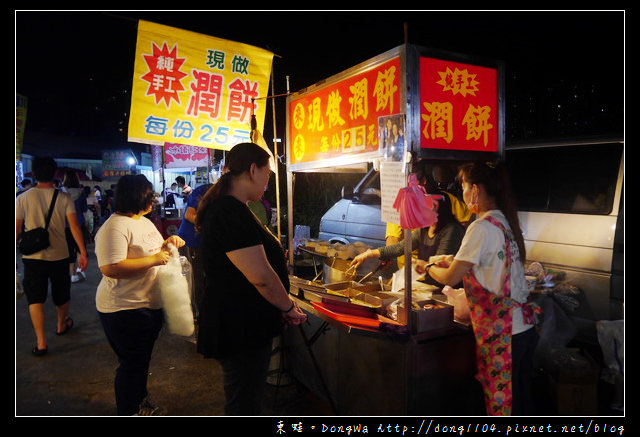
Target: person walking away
pixel 71 186
pixel 130 249
pixel 245 269
pixel 97 191
pixel 491 264
pixel 191 249
pixel 50 265
pixel 93 216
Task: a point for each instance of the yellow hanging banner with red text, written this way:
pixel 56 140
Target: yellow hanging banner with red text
pixel 194 89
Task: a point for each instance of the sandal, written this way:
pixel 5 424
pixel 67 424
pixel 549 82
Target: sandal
pixel 68 324
pixel 39 352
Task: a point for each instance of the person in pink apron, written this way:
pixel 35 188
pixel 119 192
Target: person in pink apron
pixel 490 262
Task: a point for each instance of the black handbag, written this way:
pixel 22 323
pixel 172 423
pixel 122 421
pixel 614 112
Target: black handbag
pixel 37 239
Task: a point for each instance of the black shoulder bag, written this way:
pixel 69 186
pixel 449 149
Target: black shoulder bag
pixel 37 239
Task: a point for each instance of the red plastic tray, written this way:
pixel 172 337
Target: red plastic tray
pixel 372 320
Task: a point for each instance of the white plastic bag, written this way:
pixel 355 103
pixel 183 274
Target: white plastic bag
pixel 175 293
pixel 458 298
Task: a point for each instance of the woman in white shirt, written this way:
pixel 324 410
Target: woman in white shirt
pixel 490 262
pixel 129 249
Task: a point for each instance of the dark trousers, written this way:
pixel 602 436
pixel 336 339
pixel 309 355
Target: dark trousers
pixel 523 346
pixel 244 375
pixel 132 335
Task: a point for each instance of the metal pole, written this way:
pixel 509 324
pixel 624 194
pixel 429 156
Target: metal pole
pixel 275 156
pixel 408 267
pixel 290 182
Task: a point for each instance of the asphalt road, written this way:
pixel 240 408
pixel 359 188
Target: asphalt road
pixel 76 377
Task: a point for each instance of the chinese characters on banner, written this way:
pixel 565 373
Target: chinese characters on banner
pixel 342 118
pixel 195 89
pixel 458 106
pixel 183 156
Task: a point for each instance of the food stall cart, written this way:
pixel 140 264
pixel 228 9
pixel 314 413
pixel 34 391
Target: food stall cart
pixel 178 159
pixel 445 106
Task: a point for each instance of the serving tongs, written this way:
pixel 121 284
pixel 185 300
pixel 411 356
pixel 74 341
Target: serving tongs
pixel 377 269
pixel 351 267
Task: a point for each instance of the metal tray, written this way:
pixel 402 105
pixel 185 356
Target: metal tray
pixel 297 285
pixel 320 296
pixel 347 289
pixel 376 299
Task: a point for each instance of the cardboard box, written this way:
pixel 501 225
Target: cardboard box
pixel 428 319
pixel 576 390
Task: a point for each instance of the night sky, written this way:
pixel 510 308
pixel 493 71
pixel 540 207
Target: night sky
pixel 564 70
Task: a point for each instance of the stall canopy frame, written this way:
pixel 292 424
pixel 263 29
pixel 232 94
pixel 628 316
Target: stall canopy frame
pixel 409 79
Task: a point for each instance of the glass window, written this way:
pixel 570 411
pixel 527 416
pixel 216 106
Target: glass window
pixel 568 179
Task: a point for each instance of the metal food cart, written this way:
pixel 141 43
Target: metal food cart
pixel 373 367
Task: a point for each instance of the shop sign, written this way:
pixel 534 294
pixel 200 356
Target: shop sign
pixel 185 156
pixel 115 163
pixel 458 106
pixel 194 89
pixel 342 119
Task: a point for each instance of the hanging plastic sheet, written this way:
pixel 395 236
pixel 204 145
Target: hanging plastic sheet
pixel 415 206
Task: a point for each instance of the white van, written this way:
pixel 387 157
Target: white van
pixel 570 201
pixel 356 217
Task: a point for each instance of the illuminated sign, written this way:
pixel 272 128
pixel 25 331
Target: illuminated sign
pixel 342 119
pixel 116 163
pixel 458 106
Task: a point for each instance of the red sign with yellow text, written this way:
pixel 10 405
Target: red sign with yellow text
pixel 458 106
pixel 342 118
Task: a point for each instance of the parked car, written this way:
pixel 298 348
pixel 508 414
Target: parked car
pixel 356 217
pixel 571 209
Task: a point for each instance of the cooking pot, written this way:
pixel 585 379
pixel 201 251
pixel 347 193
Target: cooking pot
pixel 337 270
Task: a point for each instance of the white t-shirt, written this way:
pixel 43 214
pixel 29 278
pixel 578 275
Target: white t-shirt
pixel 483 245
pixel 119 238
pixel 32 207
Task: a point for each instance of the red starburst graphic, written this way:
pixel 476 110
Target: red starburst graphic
pixel 164 73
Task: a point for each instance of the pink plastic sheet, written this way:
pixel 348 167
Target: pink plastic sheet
pixel 415 206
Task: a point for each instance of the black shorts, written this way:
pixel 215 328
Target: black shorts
pixel 38 274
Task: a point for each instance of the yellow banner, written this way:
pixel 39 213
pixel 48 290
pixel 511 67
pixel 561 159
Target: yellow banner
pixel 190 88
pixel 21 121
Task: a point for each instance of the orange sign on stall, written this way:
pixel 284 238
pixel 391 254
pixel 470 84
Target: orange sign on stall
pixel 342 118
pixel 458 106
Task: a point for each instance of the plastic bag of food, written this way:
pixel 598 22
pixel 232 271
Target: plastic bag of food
pixel 458 298
pixel 175 292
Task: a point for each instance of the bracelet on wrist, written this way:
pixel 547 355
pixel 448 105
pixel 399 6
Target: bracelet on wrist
pixel 290 308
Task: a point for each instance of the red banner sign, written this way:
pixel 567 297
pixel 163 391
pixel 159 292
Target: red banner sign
pixel 342 118
pixel 458 106
pixel 183 155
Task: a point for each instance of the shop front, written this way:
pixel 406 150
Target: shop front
pixel 370 348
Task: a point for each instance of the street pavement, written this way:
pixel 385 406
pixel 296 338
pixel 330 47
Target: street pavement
pixel 76 377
